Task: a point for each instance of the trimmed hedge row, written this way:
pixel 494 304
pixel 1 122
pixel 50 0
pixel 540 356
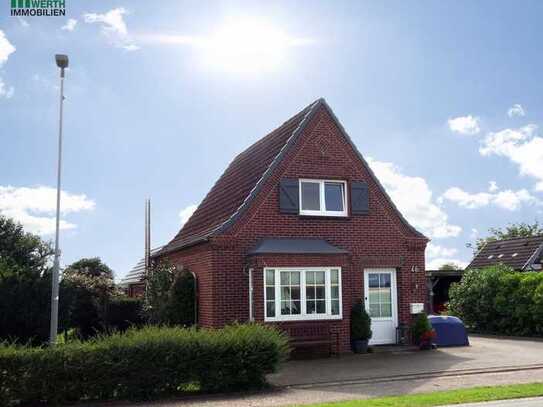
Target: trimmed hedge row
pixel 499 300
pixel 142 364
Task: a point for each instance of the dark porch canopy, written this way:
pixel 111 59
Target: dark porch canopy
pixel 295 246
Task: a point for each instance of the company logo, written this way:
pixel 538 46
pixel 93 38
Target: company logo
pixel 31 8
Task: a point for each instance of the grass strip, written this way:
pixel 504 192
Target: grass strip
pixel 440 398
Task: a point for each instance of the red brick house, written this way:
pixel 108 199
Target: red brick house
pixel 296 230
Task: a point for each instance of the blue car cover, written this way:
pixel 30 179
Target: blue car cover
pixel 450 331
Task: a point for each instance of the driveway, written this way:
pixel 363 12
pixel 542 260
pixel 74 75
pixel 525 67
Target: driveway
pixel 489 361
pixel 483 354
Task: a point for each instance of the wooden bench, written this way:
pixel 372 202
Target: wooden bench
pixel 313 334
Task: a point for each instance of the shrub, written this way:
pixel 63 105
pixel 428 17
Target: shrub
pixel 170 298
pixel 142 364
pixel 360 322
pixel 123 313
pixel 499 300
pixel 420 326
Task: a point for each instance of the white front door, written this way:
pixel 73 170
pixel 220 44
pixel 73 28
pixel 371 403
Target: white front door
pixel 380 296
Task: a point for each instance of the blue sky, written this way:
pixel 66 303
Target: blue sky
pixel 444 98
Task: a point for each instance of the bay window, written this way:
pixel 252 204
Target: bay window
pixel 302 293
pixel 323 198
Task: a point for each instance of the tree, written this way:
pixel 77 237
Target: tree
pixel 90 267
pixel 511 231
pixel 86 291
pixel 22 254
pixel 25 284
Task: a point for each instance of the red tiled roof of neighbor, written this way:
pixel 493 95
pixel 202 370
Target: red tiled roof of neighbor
pixel 517 253
pixel 236 184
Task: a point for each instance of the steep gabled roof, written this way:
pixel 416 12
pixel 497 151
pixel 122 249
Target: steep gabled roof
pixel 519 253
pixel 244 177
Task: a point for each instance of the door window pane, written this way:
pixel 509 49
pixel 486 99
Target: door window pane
pixel 311 196
pixel 386 310
pixel 333 196
pixel 375 311
pixel 380 295
pixel 384 280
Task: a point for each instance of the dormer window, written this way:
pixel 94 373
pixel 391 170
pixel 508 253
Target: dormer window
pixel 323 197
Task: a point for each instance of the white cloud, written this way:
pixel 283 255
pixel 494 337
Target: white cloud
pixel 474 234
pixel 6 91
pixel 516 110
pixel 70 25
pixel 433 250
pixel 436 263
pixel 521 146
pixel 493 186
pixel 186 213
pixel 468 125
pixel 438 256
pixel 414 199
pixel 6 49
pixel 113 27
pixel 35 207
pixel 506 199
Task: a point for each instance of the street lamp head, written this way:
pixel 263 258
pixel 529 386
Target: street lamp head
pixel 62 61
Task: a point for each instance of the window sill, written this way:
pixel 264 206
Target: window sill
pixel 304 318
pixel 330 214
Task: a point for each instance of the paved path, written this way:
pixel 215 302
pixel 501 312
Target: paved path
pixel 531 402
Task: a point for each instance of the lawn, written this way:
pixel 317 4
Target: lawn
pixel 447 397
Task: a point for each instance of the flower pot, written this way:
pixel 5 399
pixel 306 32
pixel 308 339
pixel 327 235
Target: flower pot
pixel 360 345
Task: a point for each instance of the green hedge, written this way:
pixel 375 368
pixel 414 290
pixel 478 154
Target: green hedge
pixel 499 300
pixel 142 364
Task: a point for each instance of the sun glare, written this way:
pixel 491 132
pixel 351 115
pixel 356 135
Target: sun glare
pixel 246 45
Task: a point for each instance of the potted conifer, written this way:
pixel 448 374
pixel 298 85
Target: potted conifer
pixel 423 334
pixel 360 328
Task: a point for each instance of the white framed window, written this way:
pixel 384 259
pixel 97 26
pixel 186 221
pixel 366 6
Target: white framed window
pixel 302 293
pixel 323 197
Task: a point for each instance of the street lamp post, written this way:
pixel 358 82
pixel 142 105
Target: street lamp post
pixel 62 63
